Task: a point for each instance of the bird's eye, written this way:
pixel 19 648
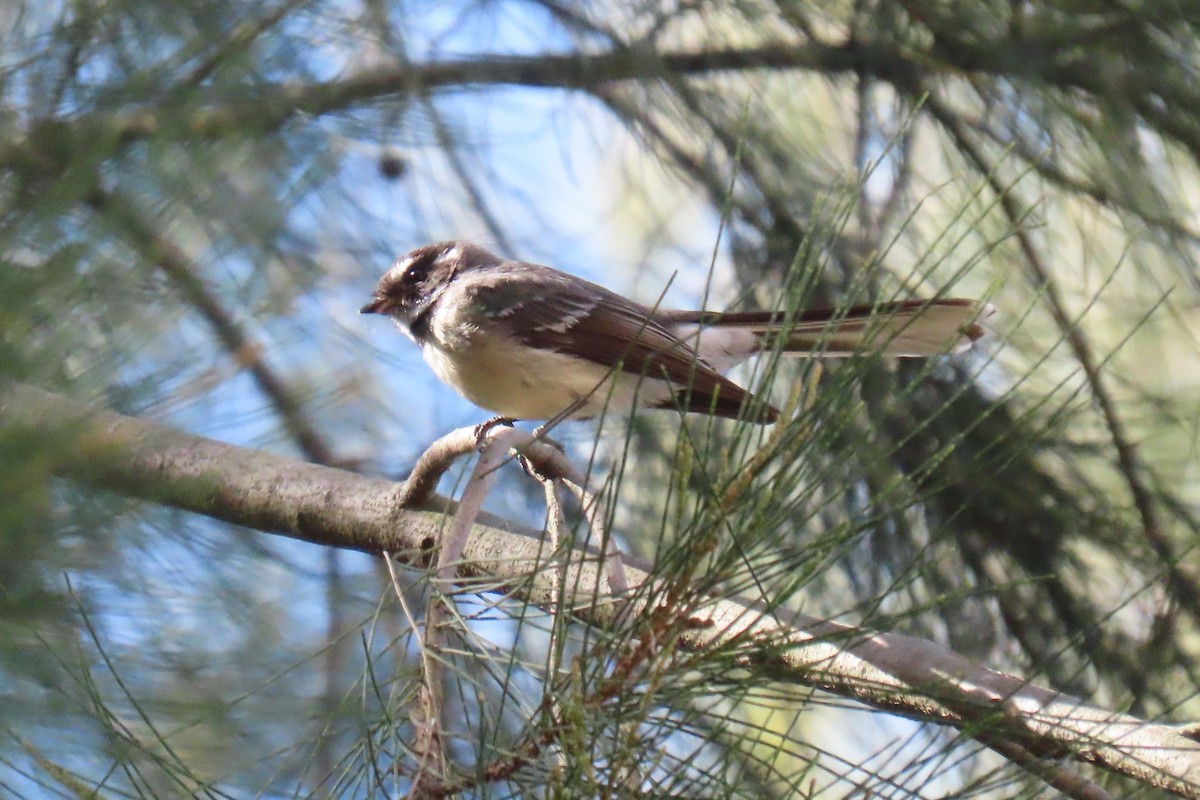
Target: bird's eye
pixel 419 269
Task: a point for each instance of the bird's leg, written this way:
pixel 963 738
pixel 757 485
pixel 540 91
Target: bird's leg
pixel 483 433
pixel 484 428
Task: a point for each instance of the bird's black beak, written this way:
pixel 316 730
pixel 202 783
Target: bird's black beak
pixel 376 306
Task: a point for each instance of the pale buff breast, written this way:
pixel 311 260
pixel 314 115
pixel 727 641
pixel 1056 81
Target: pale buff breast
pixel 522 383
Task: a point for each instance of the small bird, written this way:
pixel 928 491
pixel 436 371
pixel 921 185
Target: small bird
pixel 530 342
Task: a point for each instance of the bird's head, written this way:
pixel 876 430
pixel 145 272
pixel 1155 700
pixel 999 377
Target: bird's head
pixel 413 284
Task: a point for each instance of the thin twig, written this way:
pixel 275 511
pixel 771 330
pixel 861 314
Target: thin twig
pixel 439 456
pixel 544 459
pixel 424 713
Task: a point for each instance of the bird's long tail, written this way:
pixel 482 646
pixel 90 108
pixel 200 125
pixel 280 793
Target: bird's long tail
pixel 907 328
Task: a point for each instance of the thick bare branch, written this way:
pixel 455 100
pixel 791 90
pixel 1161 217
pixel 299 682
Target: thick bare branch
pixel 332 507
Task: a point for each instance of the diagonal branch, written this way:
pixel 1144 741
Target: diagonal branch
pixel 887 671
pixel 172 261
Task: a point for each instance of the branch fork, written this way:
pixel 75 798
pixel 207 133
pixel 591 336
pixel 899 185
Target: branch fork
pixel 496 445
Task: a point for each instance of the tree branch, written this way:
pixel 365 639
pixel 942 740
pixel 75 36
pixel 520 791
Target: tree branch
pixel 48 143
pixel 895 673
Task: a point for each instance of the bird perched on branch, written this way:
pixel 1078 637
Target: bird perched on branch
pixel 531 342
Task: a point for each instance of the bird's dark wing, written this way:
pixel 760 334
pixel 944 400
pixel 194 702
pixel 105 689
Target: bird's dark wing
pixel 551 310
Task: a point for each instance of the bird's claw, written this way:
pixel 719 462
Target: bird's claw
pixel 484 428
pixel 528 464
